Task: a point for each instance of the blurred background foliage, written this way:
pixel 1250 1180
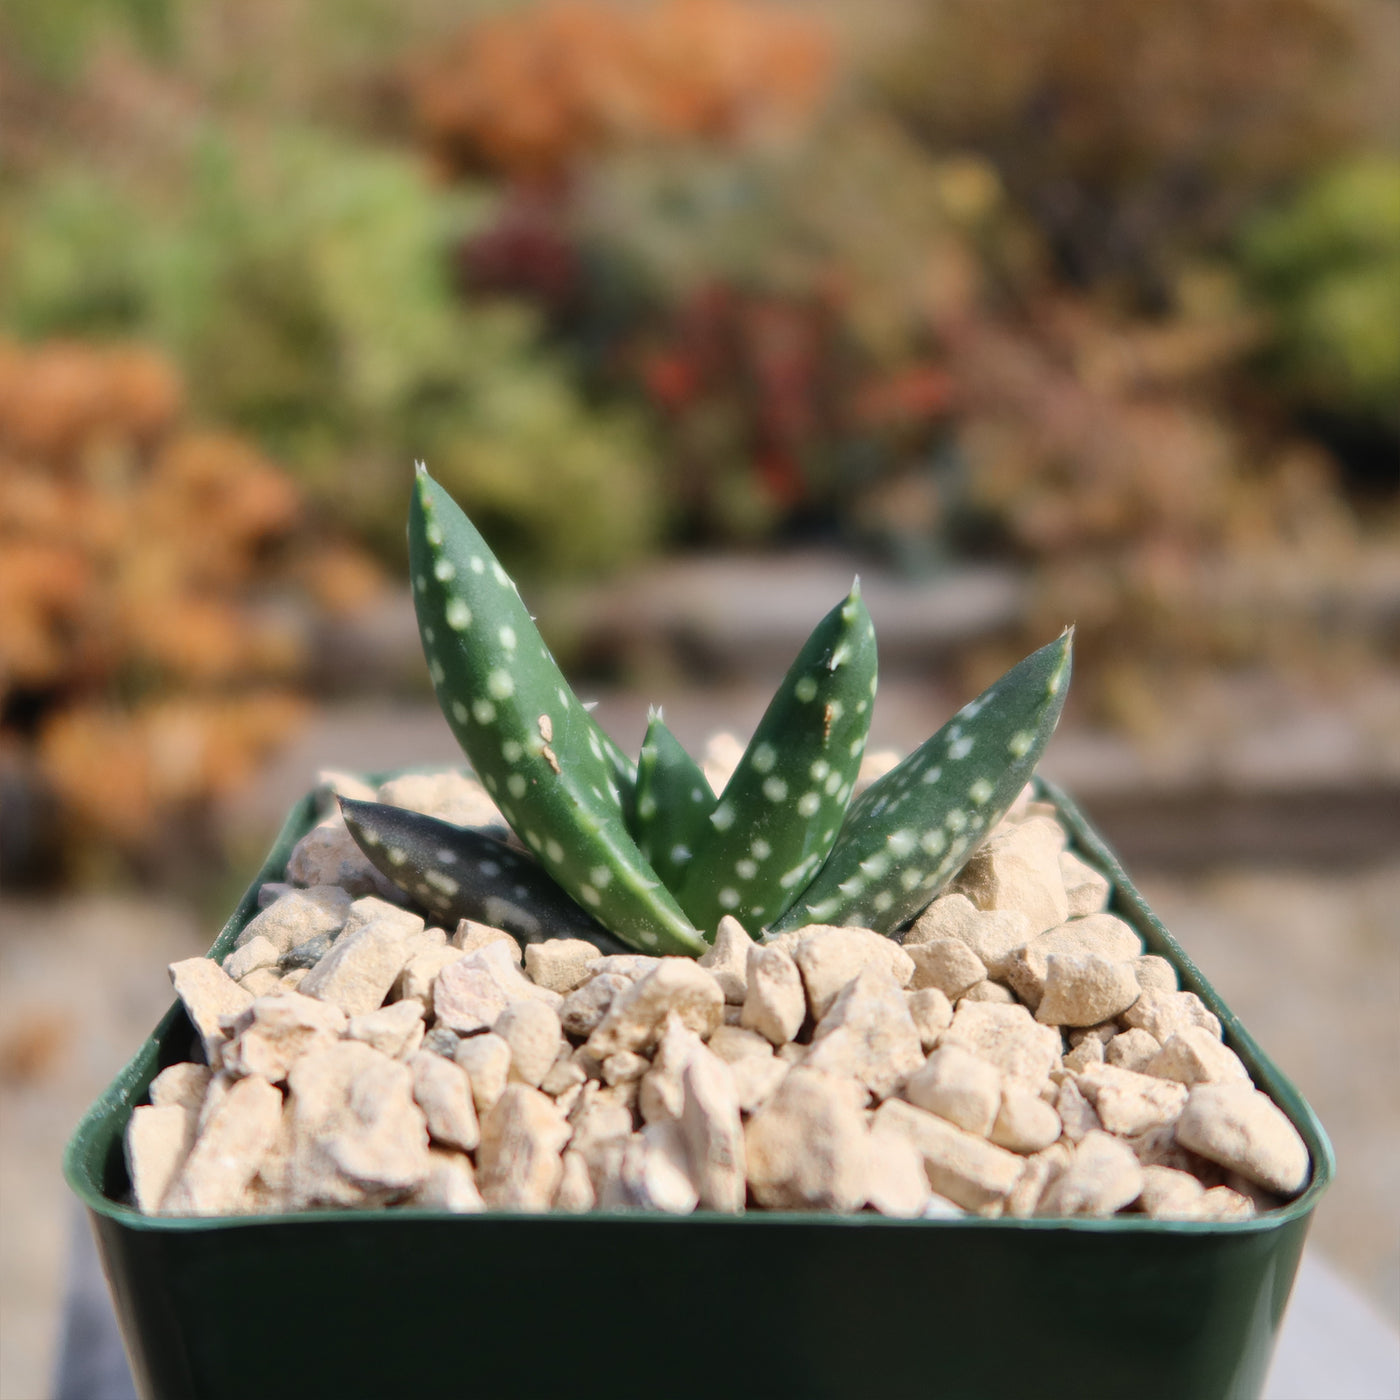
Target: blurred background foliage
pixel 1107 291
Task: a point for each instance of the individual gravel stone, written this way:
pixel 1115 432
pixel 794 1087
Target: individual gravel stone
pixel 1162 1014
pixel 472 936
pixel 360 968
pixel 184 1085
pixel 1086 890
pixel 396 1030
pixel 443 1090
pixel 1103 935
pixel 654 1172
pixel 1103 1176
pixel 306 955
pixel 878 1044
pixel 733 1043
pixel 775 1004
pixel 956 1085
pixel 713 1134
pixel 561 964
pixel 661 1094
pixel 632 966
pixel 564 1074
pixel 624 1067
pixel 518 1163
pixel 967 1169
pixel 1025 1123
pixel 532 1031
pixel 1019 869
pixel 370 909
pixel 931 1013
pixel 225 1157
pixel 806 1147
pixel 1154 974
pixel 1193 1055
pixel 158 1139
pixel 1132 1049
pixel 467 998
pixel 757 1080
pixel 895 1184
pixel 991 934
pixel 989 991
pixel 208 994
pixel 275 1031
pixel 582 1011
pixel 1040 1171
pixel 248 957
pixel 358 1136
pixel 449 1185
pixel 486 1059
pixel 440 1041
pixel 1235 1125
pixel 1085 989
pixel 1128 1103
pixel 1168 1194
pixel 947 964
pixel 728 959
pixel 448 796
pixel 272 890
pixel 1007 1037
pixel 328 856
pixel 1078 1117
pixel 829 958
pixel 1088 1052
pixel 574 1193
pixel 635 1018
pixel 261 981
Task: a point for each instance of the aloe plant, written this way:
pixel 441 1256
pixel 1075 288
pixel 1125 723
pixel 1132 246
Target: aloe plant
pixel 649 853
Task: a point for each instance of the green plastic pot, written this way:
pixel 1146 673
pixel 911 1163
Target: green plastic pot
pixel 411 1302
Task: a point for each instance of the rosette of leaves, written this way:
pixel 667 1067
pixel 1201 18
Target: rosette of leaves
pixel 648 852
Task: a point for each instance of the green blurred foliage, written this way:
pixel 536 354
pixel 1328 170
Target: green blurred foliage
pixel 304 285
pixel 1327 265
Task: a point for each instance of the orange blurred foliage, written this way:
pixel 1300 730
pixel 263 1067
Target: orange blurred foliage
pixel 528 93
pixel 140 673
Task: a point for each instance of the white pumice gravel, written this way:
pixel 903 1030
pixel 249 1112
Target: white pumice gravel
pixel 1016 1053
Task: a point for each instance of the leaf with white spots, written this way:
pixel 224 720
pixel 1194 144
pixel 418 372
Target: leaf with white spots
pixel 911 831
pixel 674 802
pixel 558 779
pixel 790 789
pixel 457 872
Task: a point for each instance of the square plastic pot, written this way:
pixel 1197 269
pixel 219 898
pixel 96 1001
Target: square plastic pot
pixel 411 1302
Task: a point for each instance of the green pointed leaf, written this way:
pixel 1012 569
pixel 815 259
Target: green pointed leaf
pixel 911 832
pixel 456 872
pixel 674 802
pixel 550 769
pixel 780 812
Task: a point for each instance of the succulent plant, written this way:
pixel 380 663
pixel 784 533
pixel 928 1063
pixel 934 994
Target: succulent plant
pixel 648 853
